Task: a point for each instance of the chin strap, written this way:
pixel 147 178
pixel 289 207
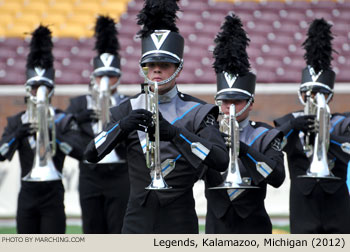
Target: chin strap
pixel 245 107
pixel 164 81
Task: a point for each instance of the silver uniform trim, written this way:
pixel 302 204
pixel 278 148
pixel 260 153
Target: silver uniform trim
pixel 311 84
pixel 100 139
pixel 235 90
pixel 234 193
pixel 39 78
pixel 161 51
pixel 112 69
pixel 4 149
pixel 199 150
pixel 345 147
pixel 263 169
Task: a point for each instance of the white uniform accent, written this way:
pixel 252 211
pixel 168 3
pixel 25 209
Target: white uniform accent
pixel 199 150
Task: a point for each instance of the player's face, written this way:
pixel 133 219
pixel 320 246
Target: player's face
pixel 159 71
pixel 313 94
pixel 239 105
pixel 34 89
pixel 112 80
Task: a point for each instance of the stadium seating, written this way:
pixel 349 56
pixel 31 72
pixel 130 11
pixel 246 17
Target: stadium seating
pixel 276 28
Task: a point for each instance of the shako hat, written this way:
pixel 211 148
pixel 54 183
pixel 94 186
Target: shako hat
pixel 233 78
pixel 39 67
pixel 161 41
pixel 107 62
pixel 318 75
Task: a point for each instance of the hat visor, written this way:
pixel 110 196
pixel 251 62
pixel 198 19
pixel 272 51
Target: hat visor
pixel 39 83
pixel 232 96
pixel 159 57
pixel 106 73
pixel 316 89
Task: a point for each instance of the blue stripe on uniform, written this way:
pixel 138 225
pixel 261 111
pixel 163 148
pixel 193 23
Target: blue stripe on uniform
pixel 236 190
pixel 205 154
pixel 184 113
pixel 166 167
pixel 60 117
pixel 257 137
pixel 109 131
pixel 11 141
pixel 335 142
pixel 290 132
pixel 339 120
pixel 256 163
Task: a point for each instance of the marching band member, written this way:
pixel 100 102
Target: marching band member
pixel 241 209
pixel 189 137
pixel 317 205
pixel 103 187
pixel 41 198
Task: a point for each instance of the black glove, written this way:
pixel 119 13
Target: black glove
pixel 243 149
pixel 304 123
pixel 139 119
pixel 24 131
pixel 87 115
pixel 166 130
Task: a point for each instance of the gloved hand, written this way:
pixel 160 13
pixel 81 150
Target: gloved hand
pixel 243 148
pixel 304 123
pixel 87 115
pixel 25 130
pixel 166 130
pixel 139 119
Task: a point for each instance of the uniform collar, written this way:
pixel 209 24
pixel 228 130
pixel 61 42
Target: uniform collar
pixel 243 123
pixel 167 97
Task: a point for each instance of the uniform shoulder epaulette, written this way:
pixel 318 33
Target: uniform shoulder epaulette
pixel 187 97
pixel 260 124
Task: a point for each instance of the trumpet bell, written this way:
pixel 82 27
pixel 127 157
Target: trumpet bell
pixel 230 185
pixel 234 183
pixel 43 173
pixel 158 183
pixel 319 169
pixel 319 176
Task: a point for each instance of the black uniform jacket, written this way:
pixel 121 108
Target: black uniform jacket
pixel 26 146
pixel 260 137
pixel 197 143
pixel 79 104
pixel 299 163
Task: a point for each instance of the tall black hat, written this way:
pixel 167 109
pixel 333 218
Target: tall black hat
pixel 161 41
pixel 107 62
pixel 318 74
pixel 233 79
pixel 40 59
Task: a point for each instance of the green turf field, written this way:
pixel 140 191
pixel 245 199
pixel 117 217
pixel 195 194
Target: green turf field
pixel 78 230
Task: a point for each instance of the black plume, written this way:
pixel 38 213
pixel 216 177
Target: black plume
pixel 158 15
pixel 318 45
pixel 41 45
pixel 230 50
pixel 106 36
